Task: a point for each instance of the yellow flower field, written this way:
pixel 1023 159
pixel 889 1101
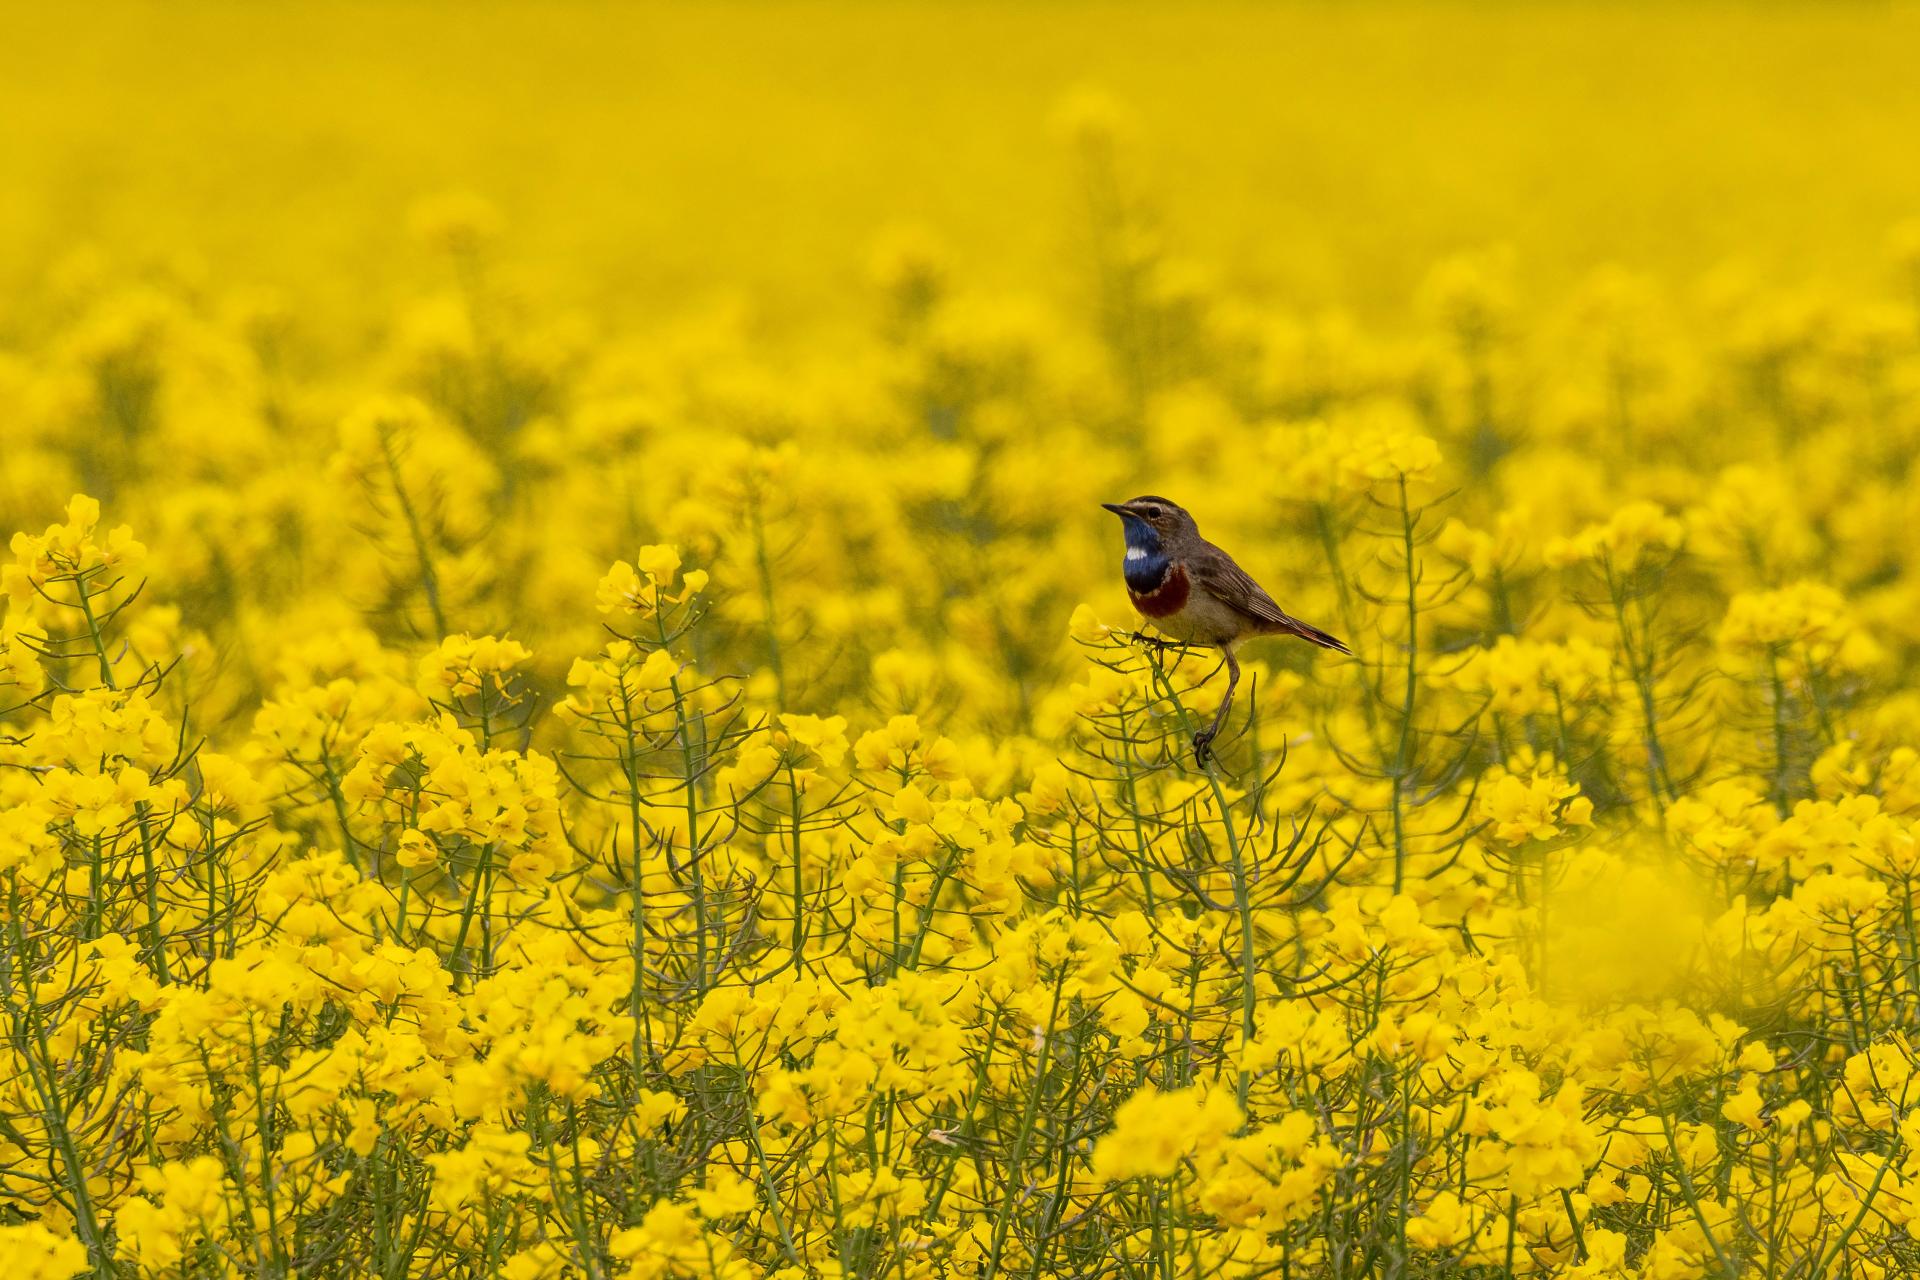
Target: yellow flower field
pixel 568 707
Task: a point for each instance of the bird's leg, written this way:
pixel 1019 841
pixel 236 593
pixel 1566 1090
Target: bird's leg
pixel 1203 740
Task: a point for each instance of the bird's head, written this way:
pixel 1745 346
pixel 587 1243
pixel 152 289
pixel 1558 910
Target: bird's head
pixel 1150 520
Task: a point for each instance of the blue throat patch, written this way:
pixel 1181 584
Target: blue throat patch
pixel 1148 568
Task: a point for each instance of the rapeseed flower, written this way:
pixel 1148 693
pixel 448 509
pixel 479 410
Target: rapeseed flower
pixel 531 771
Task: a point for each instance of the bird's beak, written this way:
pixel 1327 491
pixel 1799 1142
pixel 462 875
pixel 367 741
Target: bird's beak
pixel 1115 507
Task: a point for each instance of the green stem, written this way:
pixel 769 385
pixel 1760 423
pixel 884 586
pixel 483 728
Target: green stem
pixel 1011 1190
pixel 429 579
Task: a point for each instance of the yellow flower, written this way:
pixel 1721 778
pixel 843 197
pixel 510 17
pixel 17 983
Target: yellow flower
pixel 1531 799
pixel 1745 1107
pixel 191 1202
pixel 1518 677
pixel 1638 534
pixel 1153 1131
pixel 1443 1223
pixel 725 1194
pixel 416 849
pixel 366 1127
pixel 1807 623
pixel 825 738
pixel 1086 627
pixel 35 1253
pixel 462 666
pixel 68 563
pixel 1374 450
pixel 638 590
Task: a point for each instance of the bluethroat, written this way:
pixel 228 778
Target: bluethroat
pixel 1193 593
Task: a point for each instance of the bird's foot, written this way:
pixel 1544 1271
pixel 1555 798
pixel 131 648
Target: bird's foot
pixel 1203 746
pixel 1160 644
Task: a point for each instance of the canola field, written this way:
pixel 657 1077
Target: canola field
pixel 567 705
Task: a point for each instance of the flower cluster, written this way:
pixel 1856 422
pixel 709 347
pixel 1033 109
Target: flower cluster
pixel 550 795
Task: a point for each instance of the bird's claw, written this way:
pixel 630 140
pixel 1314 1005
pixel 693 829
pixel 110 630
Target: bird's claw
pixel 1160 643
pixel 1202 746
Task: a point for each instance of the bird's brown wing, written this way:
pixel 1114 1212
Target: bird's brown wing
pixel 1215 573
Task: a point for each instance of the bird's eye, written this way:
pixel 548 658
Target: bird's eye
pixel 1153 513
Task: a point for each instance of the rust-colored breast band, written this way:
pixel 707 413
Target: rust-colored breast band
pixel 1167 599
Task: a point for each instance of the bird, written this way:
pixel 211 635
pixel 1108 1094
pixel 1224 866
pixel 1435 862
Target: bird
pixel 1193 593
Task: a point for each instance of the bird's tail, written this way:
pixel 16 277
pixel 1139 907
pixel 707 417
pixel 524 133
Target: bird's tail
pixel 1295 627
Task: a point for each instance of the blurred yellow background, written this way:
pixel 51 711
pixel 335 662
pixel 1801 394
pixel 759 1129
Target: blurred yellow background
pixel 1330 152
